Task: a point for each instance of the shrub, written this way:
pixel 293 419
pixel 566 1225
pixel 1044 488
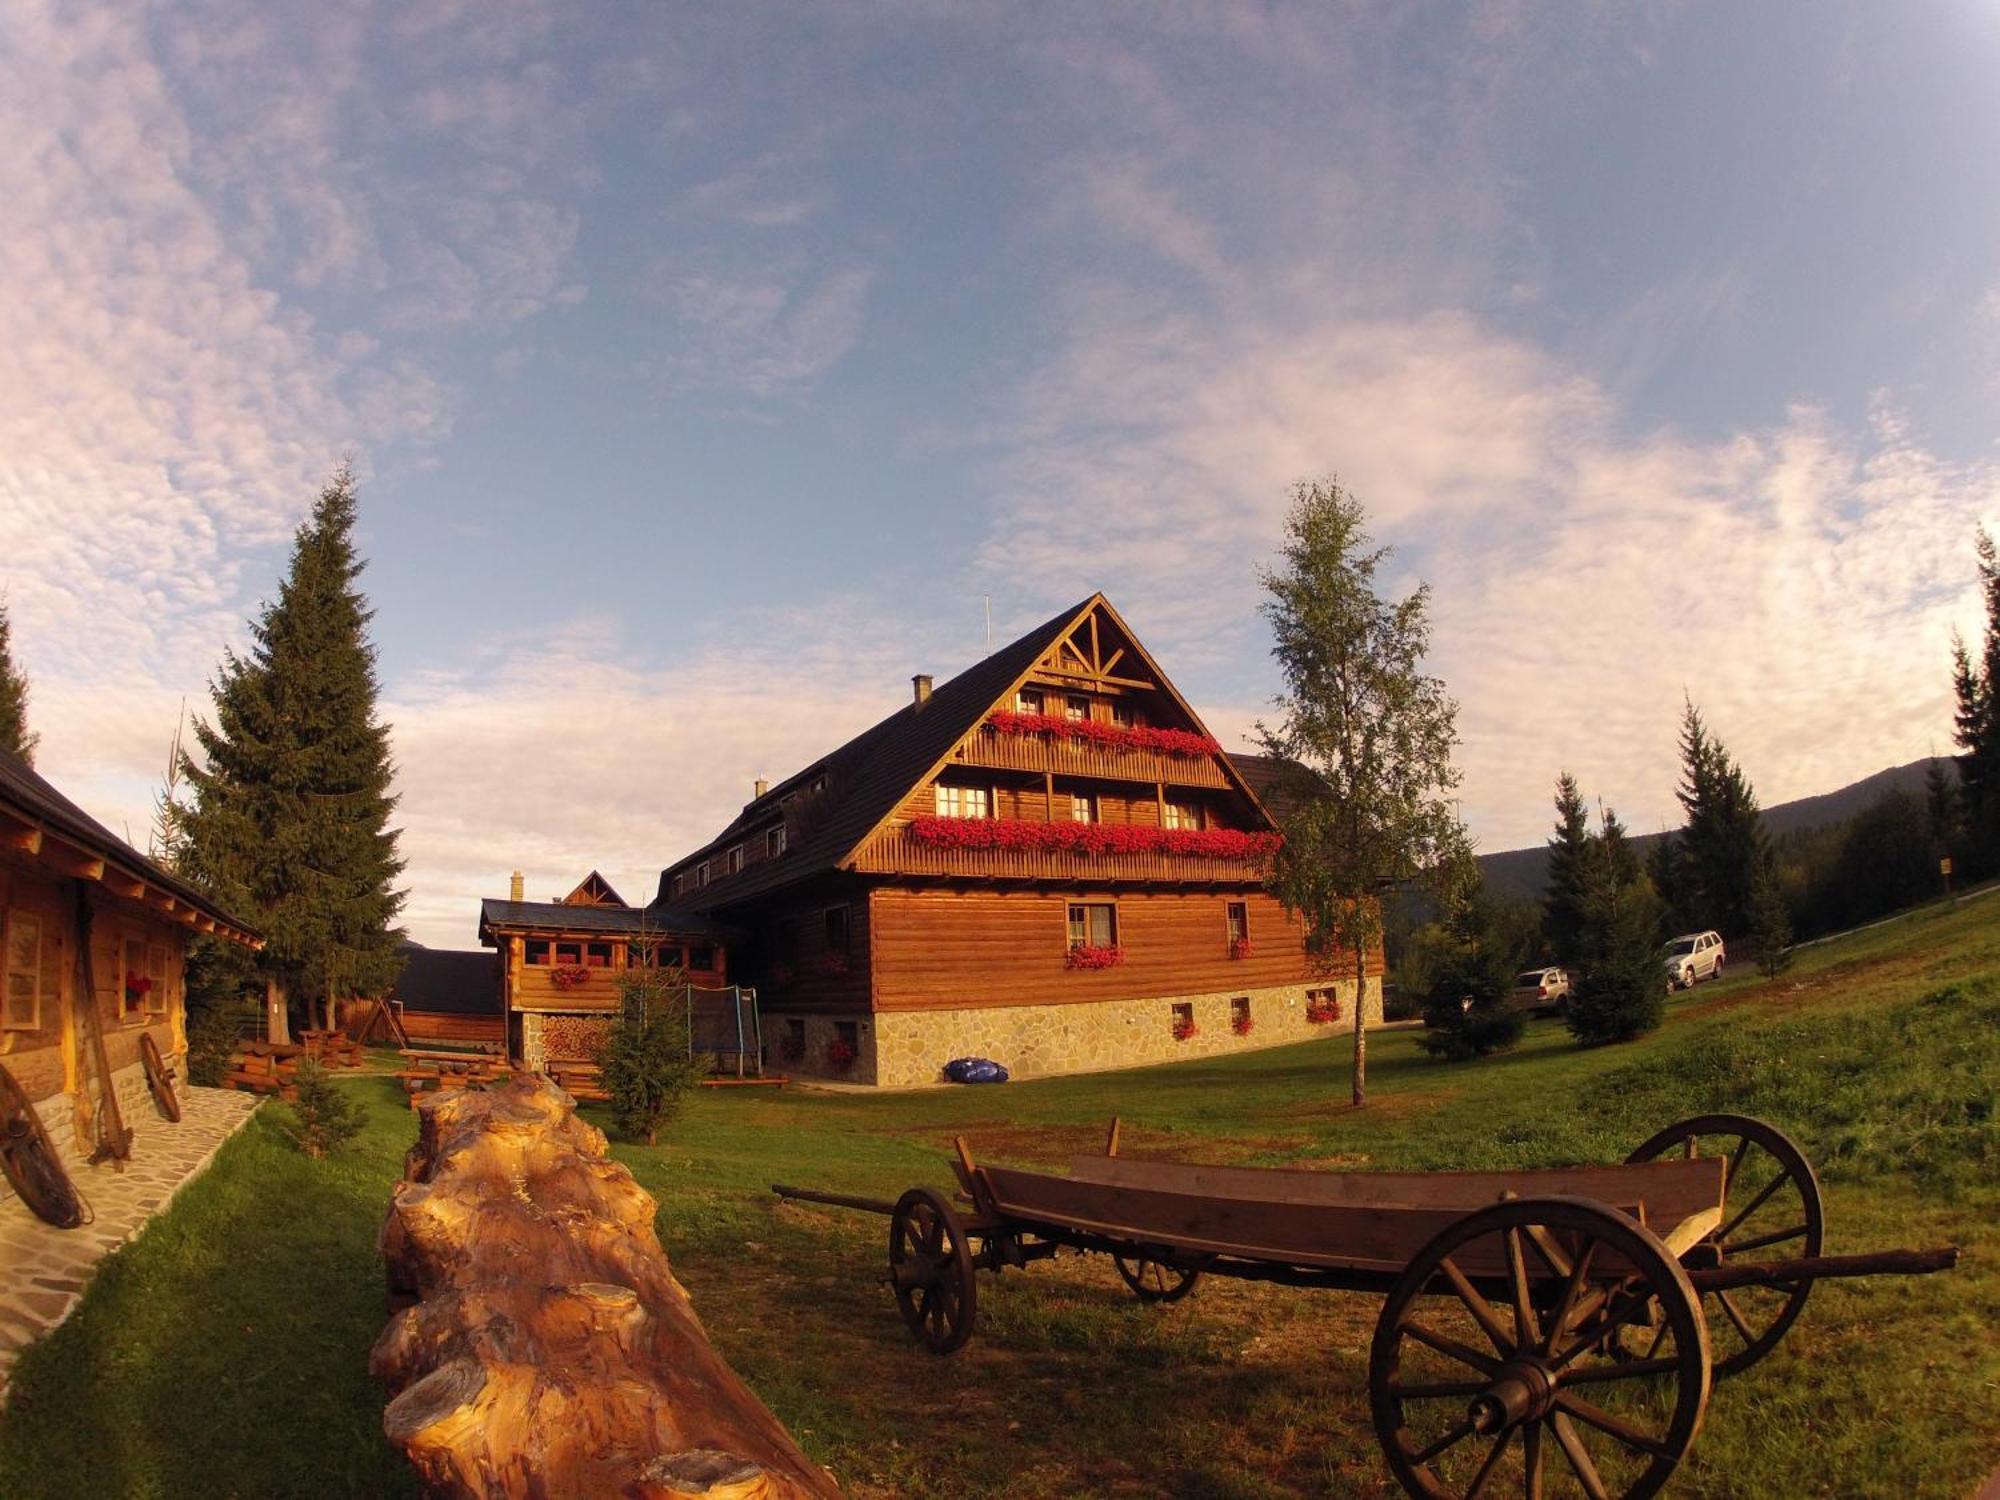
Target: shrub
pixel 647 1058
pixel 212 1033
pixel 1467 1013
pixel 326 1116
pixel 1623 990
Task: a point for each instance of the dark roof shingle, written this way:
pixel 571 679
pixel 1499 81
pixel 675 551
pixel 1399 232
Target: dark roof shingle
pixel 446 981
pixel 610 920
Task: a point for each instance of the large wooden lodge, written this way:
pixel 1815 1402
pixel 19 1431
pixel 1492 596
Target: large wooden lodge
pixel 1046 860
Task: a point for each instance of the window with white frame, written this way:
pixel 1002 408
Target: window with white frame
pixel 736 860
pixel 1093 924
pixel 1180 815
pixel 22 1008
pixel 1083 808
pixel 1030 701
pixel 963 801
pixel 158 970
pixel 1239 921
pixel 1076 709
pixel 774 842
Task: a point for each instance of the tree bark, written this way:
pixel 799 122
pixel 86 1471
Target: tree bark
pixel 550 1351
pixel 1360 1028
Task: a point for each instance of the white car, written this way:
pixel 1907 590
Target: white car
pixel 1542 989
pixel 1691 958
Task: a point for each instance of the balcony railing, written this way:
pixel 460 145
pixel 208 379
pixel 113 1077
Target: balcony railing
pixel 1035 752
pixel 896 853
pixel 536 989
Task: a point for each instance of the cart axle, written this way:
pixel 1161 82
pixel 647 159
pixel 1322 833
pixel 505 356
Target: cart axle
pixel 1823 1268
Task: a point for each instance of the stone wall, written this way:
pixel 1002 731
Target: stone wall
pixel 904 1049
pixel 135 1102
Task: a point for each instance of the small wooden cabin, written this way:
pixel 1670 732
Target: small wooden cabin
pixel 559 963
pixel 449 996
pixel 1046 860
pixel 95 945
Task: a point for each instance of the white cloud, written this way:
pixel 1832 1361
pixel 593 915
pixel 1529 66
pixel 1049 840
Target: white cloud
pixel 765 333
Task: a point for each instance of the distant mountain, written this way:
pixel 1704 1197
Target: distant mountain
pixel 1524 872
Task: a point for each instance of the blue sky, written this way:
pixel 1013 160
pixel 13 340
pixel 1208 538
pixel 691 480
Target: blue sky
pixel 707 366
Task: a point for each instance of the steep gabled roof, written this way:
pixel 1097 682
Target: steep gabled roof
pixel 593 890
pixel 871 776
pixel 29 799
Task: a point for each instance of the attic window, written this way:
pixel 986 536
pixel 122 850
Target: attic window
pixel 1076 709
pixel 774 842
pixel 1030 701
pixel 1121 715
pixel 963 801
pixel 736 860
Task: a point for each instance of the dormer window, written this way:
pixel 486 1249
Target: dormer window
pixel 1030 701
pixel 736 860
pixel 701 875
pixel 774 842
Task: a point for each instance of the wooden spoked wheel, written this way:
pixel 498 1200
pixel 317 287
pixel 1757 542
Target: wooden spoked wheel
pixel 930 1269
pixel 159 1078
pixel 1155 1280
pixel 1491 1373
pixel 29 1161
pixel 1771 1211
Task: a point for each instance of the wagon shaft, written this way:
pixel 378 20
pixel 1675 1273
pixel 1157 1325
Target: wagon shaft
pixel 1824 1268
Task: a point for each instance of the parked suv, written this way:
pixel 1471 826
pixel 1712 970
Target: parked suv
pixel 1541 989
pixel 1691 958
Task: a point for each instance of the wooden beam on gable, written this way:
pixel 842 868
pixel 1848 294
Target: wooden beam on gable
pixel 70 860
pixel 26 839
pixel 119 883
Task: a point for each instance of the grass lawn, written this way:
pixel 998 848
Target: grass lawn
pixel 224 1354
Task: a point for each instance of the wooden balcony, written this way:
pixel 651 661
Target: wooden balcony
pixel 896 853
pixel 535 989
pixel 1039 753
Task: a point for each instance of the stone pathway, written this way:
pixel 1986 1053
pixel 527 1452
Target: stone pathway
pixel 48 1268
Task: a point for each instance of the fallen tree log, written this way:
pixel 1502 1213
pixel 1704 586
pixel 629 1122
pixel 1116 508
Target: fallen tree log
pixel 548 1350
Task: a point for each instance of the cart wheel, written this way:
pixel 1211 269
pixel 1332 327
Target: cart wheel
pixel 930 1268
pixel 1489 1373
pixel 1771 1211
pixel 159 1078
pixel 1155 1280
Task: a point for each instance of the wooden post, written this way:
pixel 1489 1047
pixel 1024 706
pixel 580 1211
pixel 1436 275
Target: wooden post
pixel 277 1025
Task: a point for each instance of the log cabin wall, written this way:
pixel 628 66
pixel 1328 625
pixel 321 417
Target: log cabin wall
pixel 42 1040
pixel 813 948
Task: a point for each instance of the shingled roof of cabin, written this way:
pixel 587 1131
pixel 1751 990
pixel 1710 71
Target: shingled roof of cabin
pixel 659 920
pixel 869 777
pixel 448 981
pixel 34 799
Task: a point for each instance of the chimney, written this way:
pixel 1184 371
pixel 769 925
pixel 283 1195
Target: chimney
pixel 516 888
pixel 762 786
pixel 921 683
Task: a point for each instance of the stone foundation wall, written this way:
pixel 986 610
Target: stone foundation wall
pixel 904 1049
pixel 135 1101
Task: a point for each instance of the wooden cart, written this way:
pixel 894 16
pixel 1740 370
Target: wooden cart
pixel 1544 1332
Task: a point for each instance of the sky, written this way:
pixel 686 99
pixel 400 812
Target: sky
pixel 709 368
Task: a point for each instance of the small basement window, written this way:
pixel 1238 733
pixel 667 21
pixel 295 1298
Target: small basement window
pixel 1093 924
pixel 795 1036
pixel 1239 1013
pixel 1183 1020
pixel 849 1032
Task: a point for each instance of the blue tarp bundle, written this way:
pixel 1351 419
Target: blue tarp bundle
pixel 974 1070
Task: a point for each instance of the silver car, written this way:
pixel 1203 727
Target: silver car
pixel 1691 958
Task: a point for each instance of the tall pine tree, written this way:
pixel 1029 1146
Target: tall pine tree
pixel 1715 860
pixel 1975 680
pixel 1569 856
pixel 14 736
pixel 289 816
pixel 1621 991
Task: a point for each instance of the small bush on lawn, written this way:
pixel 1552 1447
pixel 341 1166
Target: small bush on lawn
pixel 1623 991
pixel 327 1117
pixel 647 1067
pixel 212 1032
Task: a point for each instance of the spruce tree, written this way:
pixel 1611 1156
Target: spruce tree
pixel 1569 857
pixel 1622 990
pixel 1770 923
pixel 1723 845
pixel 14 736
pixel 288 820
pixel 1975 681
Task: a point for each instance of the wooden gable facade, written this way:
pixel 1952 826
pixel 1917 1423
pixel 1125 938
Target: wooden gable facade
pixel 94 939
pixel 1047 860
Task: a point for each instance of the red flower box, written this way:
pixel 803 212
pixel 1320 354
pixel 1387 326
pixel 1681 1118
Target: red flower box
pixel 1092 838
pixel 1183 1030
pixel 840 1054
pixel 1241 1025
pixel 1240 948
pixel 1113 736
pixel 569 977
pixel 1084 956
pixel 1319 1013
